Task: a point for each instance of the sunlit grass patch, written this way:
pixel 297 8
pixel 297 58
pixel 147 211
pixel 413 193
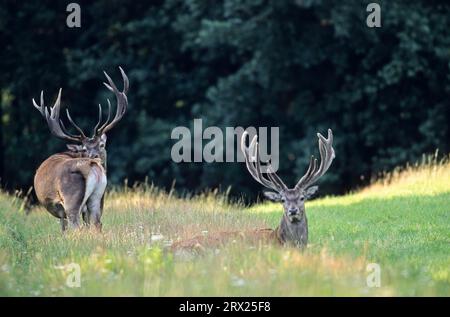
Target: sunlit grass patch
pixel 401 222
pixel 428 177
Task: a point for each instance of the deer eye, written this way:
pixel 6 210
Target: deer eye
pixel 102 145
pixel 283 199
pixel 84 149
pixel 302 198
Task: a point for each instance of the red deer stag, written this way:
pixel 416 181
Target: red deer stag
pixel 293 227
pixel 72 183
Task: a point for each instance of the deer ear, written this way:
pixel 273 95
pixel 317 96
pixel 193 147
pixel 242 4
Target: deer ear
pixel 272 196
pixel 311 191
pixel 73 147
pixel 103 138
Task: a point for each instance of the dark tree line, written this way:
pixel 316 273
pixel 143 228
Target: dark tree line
pixel 302 65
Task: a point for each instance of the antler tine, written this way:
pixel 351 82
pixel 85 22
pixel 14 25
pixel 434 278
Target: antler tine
pixel 326 151
pixel 251 154
pixel 121 98
pixel 52 117
pixel 74 124
pixel 309 172
pixel 40 108
pixel 107 118
pixel 99 119
pixel 126 83
pixel 247 156
pixel 274 181
pixel 274 177
pixel 63 127
pixel 326 157
pixel 263 180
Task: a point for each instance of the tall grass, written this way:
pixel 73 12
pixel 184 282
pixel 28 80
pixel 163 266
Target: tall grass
pixel 401 222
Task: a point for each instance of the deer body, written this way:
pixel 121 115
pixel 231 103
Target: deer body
pixel 216 239
pixel 294 233
pixel 293 227
pixel 72 184
pixel 285 234
pixel 68 186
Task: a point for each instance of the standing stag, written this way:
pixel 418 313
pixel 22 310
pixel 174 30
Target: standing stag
pixel 293 228
pixel 73 182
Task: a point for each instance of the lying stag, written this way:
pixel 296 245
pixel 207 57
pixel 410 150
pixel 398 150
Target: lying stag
pixel 73 182
pixel 293 228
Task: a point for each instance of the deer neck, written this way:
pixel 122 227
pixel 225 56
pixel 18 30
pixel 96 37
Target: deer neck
pixel 69 154
pixel 104 163
pixel 77 155
pixel 295 233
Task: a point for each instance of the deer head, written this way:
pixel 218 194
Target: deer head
pixel 293 225
pixel 86 146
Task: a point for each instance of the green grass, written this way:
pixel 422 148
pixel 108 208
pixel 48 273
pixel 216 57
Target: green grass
pixel 402 223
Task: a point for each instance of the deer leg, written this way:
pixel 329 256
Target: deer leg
pixel 73 218
pixel 72 208
pixel 63 222
pixel 57 210
pixel 94 206
pixel 73 191
pixel 85 215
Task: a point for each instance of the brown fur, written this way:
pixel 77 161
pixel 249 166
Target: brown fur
pixel 73 183
pixel 60 183
pixel 218 239
pixel 293 227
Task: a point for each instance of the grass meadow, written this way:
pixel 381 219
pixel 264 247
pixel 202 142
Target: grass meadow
pixel 401 223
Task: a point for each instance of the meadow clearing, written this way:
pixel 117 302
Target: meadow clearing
pixel 401 222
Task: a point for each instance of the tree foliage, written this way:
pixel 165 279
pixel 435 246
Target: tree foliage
pixel 302 65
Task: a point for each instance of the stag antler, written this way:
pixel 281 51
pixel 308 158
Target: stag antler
pixel 274 181
pixel 326 157
pixel 54 122
pixel 252 161
pixel 122 104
